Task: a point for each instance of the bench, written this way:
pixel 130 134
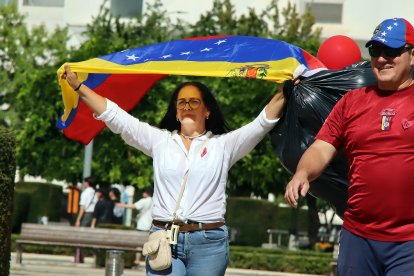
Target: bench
pixel 80 237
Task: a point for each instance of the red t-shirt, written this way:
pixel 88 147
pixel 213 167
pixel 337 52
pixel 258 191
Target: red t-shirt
pixel 376 128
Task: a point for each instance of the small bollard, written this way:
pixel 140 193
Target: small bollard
pixel 114 263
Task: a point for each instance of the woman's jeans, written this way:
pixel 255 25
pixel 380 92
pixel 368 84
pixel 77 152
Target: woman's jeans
pixel 198 253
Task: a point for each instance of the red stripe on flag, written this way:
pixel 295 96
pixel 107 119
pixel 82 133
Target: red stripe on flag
pixel 312 61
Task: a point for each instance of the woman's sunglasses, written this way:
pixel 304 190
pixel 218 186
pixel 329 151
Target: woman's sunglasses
pixel 376 51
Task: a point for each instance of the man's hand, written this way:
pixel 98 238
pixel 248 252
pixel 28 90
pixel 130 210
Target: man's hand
pixel 298 186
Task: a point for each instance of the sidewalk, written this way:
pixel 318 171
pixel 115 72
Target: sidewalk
pixel 53 265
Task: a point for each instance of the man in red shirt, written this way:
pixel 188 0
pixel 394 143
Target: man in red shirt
pixel 375 126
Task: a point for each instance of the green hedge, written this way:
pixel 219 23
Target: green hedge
pixel 21 207
pixel 251 218
pixel 7 174
pixel 309 262
pixel 35 200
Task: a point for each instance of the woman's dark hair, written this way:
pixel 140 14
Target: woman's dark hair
pixel 215 123
pixel 104 192
pixel 116 192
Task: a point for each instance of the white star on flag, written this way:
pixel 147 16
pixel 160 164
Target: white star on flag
pixel 383 33
pixel 133 57
pixel 220 41
pixel 389 28
pixel 185 53
pixel 206 50
pixel 166 56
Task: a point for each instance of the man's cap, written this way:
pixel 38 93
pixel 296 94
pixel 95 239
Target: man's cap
pixel 394 33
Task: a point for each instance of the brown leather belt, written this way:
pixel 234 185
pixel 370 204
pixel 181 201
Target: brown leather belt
pixel 188 227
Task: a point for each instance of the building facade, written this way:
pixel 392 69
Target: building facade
pixel 353 18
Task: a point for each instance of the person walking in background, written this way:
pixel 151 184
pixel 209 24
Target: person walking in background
pixel 87 203
pixel 115 196
pixel 375 126
pixel 192 152
pixel 104 209
pixel 144 217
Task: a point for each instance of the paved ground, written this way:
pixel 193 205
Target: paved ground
pixel 53 265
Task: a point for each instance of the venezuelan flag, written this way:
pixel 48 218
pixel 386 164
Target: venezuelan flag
pixel 125 77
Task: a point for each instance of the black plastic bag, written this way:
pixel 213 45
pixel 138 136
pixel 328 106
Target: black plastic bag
pixel 308 105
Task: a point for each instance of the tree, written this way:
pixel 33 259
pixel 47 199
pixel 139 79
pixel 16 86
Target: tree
pixel 42 149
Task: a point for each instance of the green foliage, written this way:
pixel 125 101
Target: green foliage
pixel 21 207
pixel 35 96
pixel 280 260
pixel 45 200
pixel 7 173
pixel 28 76
pixel 251 218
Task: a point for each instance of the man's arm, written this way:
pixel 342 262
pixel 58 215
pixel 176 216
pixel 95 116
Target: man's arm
pixel 312 163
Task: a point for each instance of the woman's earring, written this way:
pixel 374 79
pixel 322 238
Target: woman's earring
pixel 207 117
pixel 178 119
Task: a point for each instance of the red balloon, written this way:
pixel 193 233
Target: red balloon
pixel 338 52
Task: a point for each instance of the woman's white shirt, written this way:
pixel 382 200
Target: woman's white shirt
pixel 209 159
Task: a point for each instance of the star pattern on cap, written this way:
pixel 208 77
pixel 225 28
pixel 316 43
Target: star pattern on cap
pixel 382 36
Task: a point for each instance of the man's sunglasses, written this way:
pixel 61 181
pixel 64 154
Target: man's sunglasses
pixel 376 51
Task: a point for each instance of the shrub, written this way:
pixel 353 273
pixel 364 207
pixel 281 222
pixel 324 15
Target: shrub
pixel 7 173
pixel 21 207
pixel 251 218
pixel 45 199
pixel 309 262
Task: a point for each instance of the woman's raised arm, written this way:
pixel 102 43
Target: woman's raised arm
pixel 274 108
pixel 94 101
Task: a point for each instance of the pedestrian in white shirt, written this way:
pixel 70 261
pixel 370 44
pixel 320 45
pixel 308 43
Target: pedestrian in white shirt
pixel 191 149
pixel 87 202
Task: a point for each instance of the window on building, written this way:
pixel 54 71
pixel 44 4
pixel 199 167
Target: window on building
pixel 327 12
pixel 126 8
pixel 44 3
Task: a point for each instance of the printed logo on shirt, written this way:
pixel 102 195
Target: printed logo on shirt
pixel 388 111
pixel 406 124
pixel 387 114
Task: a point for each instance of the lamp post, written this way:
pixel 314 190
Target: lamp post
pixel 87 161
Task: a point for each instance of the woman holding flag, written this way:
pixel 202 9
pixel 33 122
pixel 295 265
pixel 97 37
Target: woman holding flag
pixel 192 153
